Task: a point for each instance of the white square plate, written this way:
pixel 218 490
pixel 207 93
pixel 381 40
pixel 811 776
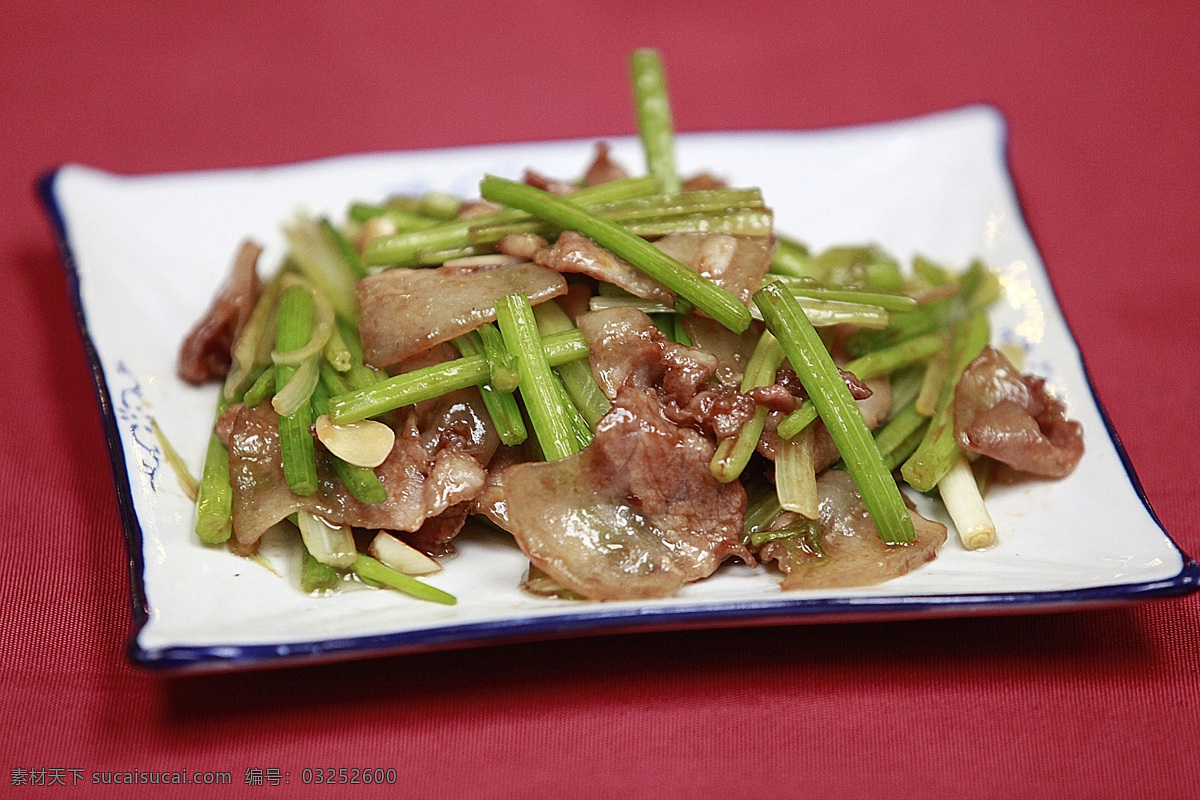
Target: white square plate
pixel 147 254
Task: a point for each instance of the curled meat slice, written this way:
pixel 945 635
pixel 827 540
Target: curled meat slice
pixel 490 502
pixel 407 311
pixel 703 180
pixel 435 534
pixel 458 419
pixel 477 208
pixel 206 351
pixel 735 263
pixel 875 406
pixel 852 552
pixel 424 476
pixel 522 246
pixel 636 514
pixel 626 349
pixel 1000 413
pixel 548 184
pixel 574 252
pixel 732 350
pixel 603 169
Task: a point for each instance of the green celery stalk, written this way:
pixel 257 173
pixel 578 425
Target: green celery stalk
pixel 371 570
pixel 938 449
pixel 429 382
pixel 696 289
pixel 655 127
pixel 576 376
pixel 821 379
pixel 502 407
pixel 295 441
pixel 544 402
pixel 733 454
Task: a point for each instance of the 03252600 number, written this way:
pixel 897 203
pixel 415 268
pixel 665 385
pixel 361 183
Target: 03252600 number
pixel 337 775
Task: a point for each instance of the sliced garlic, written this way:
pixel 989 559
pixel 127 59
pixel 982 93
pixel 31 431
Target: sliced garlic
pixel 363 444
pixel 375 228
pixel 329 544
pixel 400 557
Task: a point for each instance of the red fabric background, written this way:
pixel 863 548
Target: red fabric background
pixel 1103 100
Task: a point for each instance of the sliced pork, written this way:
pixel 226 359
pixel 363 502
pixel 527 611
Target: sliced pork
pixel 1000 413
pixel 206 351
pixel 574 252
pixel 636 514
pixel 732 350
pixel 490 502
pixel 407 311
pixel 435 465
pixel 851 552
pixel 603 169
pixel 735 263
pixel 703 181
pixel 626 349
pixel 548 184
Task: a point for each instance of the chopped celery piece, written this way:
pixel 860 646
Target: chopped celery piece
pixel 842 418
pixel 576 376
pixel 684 281
pixel 543 401
pixel 371 570
pixel 406 248
pixel 317 577
pixel 938 449
pixel 295 441
pixel 429 382
pixel 655 126
pixel 733 454
pixel 501 405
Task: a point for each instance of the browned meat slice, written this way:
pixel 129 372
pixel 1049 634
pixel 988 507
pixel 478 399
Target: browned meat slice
pixel 425 474
pixel 603 169
pixel 853 553
pixel 547 184
pixel 625 348
pixel 735 263
pixel 719 410
pixel 574 252
pixel 703 181
pixel 490 502
pixel 435 534
pixel 636 514
pixel 477 208
pixel 859 389
pixel 205 354
pixel 457 420
pixel 874 400
pixel 407 311
pixel 999 412
pixel 523 246
pixel 732 350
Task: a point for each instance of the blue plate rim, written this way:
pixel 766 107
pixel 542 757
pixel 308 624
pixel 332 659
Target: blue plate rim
pixel 599 619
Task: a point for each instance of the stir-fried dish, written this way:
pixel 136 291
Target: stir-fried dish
pixel 635 377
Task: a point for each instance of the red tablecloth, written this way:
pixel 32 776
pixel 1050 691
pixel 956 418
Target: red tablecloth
pixel 1103 102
